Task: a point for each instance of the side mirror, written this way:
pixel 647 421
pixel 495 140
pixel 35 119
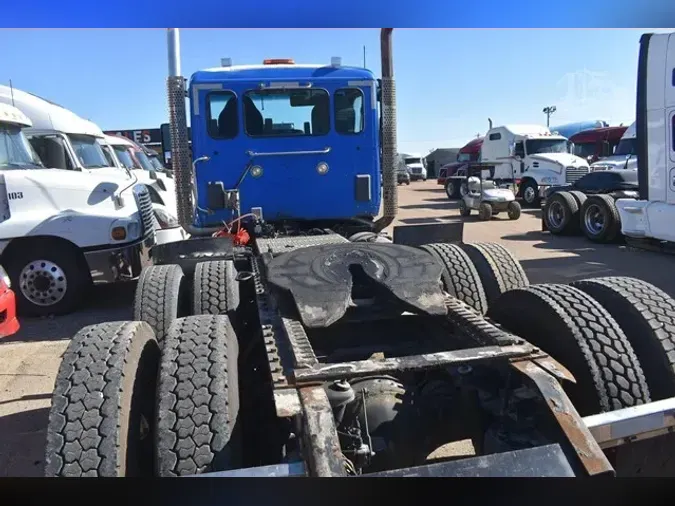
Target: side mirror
pixel 605 149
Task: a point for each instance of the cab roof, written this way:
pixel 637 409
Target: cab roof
pixel 13 116
pixel 46 115
pixel 280 71
pixel 605 133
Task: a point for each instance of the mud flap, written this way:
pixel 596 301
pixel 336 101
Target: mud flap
pixel 428 233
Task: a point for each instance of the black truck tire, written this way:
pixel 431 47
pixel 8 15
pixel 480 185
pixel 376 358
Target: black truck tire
pixel 460 277
pixel 647 317
pixel 198 398
pixel 600 207
pixel 160 297
pixel 102 416
pixel 498 269
pixel 452 189
pixel 529 192
pixel 561 213
pixel 646 314
pixel 580 197
pixel 215 290
pixel 579 333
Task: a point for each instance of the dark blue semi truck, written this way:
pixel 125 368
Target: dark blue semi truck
pixel 292 335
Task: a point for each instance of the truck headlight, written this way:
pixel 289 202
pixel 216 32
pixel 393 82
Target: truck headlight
pixel 165 219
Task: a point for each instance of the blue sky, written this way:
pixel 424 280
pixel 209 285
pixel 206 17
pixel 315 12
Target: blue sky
pixel 448 81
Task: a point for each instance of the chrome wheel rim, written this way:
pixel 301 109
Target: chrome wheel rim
pixel 556 214
pixel 594 219
pixel 43 283
pixel 529 195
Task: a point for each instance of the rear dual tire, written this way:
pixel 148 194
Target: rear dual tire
pixel 478 273
pixel 121 407
pixel 600 219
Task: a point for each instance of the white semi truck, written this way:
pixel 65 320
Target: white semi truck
pixel 62 230
pixel 650 219
pixel 123 153
pixel 63 140
pixel 532 157
pixel 624 156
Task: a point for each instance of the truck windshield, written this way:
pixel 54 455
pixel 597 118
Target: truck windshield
pixel 585 150
pixel 124 157
pixel 281 113
pixel 144 161
pixel 467 157
pixel 410 161
pixel 626 147
pixel 536 146
pixel 15 150
pixel 156 163
pixel 88 151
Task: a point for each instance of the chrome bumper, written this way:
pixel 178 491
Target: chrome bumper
pixel 123 263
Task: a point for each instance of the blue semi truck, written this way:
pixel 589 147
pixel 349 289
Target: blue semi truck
pixel 290 336
pixel 569 129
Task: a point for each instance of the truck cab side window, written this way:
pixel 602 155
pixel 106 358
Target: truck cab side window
pixel 52 152
pixel 222 115
pixel 349 114
pixel 519 150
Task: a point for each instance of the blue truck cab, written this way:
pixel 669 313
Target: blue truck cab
pixel 301 142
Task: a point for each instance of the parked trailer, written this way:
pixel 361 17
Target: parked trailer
pixel 304 343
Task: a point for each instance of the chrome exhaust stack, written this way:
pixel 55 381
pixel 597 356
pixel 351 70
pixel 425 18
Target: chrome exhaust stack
pixel 180 147
pixel 389 142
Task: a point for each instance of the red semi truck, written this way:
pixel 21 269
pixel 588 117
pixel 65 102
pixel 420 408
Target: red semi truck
pixel 469 153
pixel 597 143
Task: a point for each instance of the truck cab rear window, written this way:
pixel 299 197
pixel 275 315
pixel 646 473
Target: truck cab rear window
pixel 222 115
pixel 286 113
pixel 349 114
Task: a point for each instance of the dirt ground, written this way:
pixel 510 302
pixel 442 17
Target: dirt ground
pixel 30 359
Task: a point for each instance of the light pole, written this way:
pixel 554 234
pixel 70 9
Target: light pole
pixel 548 111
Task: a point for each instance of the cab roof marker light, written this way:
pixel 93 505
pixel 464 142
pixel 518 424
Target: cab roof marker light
pixel 336 61
pixel 226 62
pixel 279 61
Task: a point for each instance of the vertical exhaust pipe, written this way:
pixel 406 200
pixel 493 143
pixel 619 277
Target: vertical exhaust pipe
pixel 180 153
pixel 180 148
pixel 389 142
pixel 489 123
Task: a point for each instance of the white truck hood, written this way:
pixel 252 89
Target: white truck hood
pixel 92 182
pixel 70 204
pixel 563 159
pixel 615 163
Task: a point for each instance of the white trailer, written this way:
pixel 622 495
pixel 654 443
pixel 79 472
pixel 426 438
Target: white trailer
pixel 650 219
pixel 62 230
pixel 532 157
